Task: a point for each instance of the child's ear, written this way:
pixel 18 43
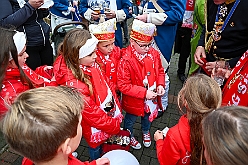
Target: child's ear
pixel 65 147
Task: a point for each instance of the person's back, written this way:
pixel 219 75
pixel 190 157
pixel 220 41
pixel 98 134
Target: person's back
pixel 225 136
pixel 47 131
pixel 182 144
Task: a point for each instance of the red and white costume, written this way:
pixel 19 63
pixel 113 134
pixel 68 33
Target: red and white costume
pixel 71 161
pixel 235 92
pixel 104 32
pixel 109 65
pixel 12 85
pixel 134 71
pixel 97 123
pixel 175 149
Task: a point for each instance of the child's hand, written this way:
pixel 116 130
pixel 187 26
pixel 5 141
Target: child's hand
pixel 160 90
pixel 158 135
pixel 102 161
pixel 150 95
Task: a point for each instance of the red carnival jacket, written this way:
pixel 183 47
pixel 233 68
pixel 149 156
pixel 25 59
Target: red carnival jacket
pixel 110 70
pixel 71 161
pixel 130 81
pixel 92 115
pixel 235 91
pixel 175 148
pixel 12 85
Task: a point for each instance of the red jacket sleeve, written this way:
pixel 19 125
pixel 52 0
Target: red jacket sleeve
pixel 124 82
pixel 160 69
pixel 167 150
pixel 97 118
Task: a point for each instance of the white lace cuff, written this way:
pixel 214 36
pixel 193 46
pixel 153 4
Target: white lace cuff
pixel 87 14
pixel 120 15
pixel 156 18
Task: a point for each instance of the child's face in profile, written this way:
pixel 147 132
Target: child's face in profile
pixel 88 60
pixel 22 57
pixel 141 47
pixel 106 47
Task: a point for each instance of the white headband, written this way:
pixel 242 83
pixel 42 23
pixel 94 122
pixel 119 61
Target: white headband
pixel 88 47
pixel 19 41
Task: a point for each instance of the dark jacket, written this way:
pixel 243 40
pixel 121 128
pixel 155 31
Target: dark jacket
pixel 234 38
pixel 26 19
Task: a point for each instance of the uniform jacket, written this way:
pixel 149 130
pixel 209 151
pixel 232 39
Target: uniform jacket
pixel 130 81
pixel 92 115
pixel 234 38
pixel 166 24
pixel 115 57
pixel 122 14
pixel 172 150
pixel 27 19
pixel 12 85
pixel 71 161
pixel 59 6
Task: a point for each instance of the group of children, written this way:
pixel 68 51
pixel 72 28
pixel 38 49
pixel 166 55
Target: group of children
pixel 92 64
pixel 46 124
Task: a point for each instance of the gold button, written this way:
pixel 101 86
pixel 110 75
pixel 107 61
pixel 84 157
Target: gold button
pixel 215 47
pixel 232 24
pixel 214 55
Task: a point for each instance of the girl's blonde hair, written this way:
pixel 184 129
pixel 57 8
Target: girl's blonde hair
pixel 41 119
pixel 73 41
pixel 225 136
pixel 199 95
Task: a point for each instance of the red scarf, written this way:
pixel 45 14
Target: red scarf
pixel 235 92
pixel 108 66
pixel 103 98
pixel 149 81
pixel 188 14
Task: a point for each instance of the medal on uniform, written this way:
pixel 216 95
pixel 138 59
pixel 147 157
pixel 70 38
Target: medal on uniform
pixel 217 30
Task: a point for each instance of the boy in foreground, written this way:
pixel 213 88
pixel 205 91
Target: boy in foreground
pixel 44 126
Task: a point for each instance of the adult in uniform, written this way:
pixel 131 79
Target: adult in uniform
pixel 226 38
pixel 165 14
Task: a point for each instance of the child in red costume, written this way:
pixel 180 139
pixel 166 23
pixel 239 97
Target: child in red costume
pixel 44 125
pixel 182 145
pixel 16 76
pixel 76 67
pixel 140 79
pixel 108 55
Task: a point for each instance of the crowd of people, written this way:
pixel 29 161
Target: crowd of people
pixel 47 105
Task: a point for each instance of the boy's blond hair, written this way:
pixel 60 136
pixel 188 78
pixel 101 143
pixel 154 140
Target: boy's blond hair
pixel 40 120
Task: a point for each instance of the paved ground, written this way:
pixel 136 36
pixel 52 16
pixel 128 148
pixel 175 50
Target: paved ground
pixel 146 156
